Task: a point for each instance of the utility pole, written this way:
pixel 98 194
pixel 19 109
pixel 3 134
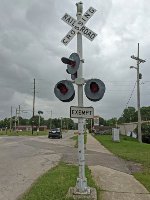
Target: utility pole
pixel 18 115
pixel 11 119
pixel 138 92
pixel 91 125
pixel 39 122
pixel 16 119
pixel 33 106
pixel 61 123
pixel 50 127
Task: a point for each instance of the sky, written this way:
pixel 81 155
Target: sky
pixel 30 47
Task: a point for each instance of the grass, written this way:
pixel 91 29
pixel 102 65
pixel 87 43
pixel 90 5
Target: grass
pixel 130 149
pixel 23 133
pixel 54 184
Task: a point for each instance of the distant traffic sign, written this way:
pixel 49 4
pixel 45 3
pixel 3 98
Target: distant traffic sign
pixel 78 26
pixel 81 112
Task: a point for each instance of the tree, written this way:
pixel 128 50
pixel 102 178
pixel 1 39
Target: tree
pixel 56 123
pixel 5 123
pixel 36 120
pixel 129 115
pixel 23 121
pixel 145 113
pixel 68 123
pixel 111 122
pixel 102 121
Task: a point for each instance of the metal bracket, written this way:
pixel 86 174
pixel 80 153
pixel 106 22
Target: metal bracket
pixel 79 81
pixel 82 60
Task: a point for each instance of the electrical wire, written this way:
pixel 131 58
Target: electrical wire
pixel 130 96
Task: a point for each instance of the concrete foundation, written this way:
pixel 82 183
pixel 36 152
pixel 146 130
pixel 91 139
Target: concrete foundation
pixel 92 195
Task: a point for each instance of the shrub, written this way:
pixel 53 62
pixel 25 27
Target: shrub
pixel 145 128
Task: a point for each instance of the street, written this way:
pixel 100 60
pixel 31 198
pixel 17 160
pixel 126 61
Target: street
pixel 24 159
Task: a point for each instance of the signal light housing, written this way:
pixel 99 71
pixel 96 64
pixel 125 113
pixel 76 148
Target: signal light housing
pixel 74 76
pixel 64 91
pixel 68 61
pixel 94 89
pixel 73 63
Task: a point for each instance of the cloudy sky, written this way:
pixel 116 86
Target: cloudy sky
pixel 30 47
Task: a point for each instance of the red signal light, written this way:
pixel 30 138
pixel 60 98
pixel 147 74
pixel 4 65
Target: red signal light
pixel 62 87
pixel 72 63
pixel 94 87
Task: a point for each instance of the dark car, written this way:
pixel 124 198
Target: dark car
pixel 55 133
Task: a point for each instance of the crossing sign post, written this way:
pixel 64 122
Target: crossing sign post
pixel 79 29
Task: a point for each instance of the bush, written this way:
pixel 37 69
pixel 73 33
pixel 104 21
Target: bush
pixel 146 139
pixel 145 128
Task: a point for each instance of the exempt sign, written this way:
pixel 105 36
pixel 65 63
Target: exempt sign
pixel 81 112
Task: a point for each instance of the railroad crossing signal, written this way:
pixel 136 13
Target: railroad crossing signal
pixel 94 88
pixel 78 26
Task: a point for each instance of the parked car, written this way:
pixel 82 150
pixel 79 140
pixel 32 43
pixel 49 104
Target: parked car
pixel 55 133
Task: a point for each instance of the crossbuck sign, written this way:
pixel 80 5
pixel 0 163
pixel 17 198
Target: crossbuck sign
pixel 79 26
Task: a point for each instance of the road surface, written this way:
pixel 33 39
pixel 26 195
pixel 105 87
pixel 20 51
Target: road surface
pixel 23 159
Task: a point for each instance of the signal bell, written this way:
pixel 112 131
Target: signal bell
pixel 64 91
pixel 94 89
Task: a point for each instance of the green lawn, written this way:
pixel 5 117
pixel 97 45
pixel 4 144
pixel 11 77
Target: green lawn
pixel 54 184
pixel 130 149
pixel 23 133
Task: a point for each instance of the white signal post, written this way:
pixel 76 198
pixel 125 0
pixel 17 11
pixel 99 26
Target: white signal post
pixel 79 29
pixel 81 183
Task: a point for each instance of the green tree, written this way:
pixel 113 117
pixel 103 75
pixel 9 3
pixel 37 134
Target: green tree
pixel 145 113
pixel 102 121
pixel 23 121
pixel 111 122
pixel 56 123
pixel 35 120
pixel 129 115
pixel 68 123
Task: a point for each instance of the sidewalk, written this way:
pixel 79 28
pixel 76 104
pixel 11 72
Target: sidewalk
pixel 116 183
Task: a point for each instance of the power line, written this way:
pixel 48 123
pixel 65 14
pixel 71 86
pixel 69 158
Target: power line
pixel 130 97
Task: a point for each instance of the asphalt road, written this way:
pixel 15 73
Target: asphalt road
pixel 23 159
